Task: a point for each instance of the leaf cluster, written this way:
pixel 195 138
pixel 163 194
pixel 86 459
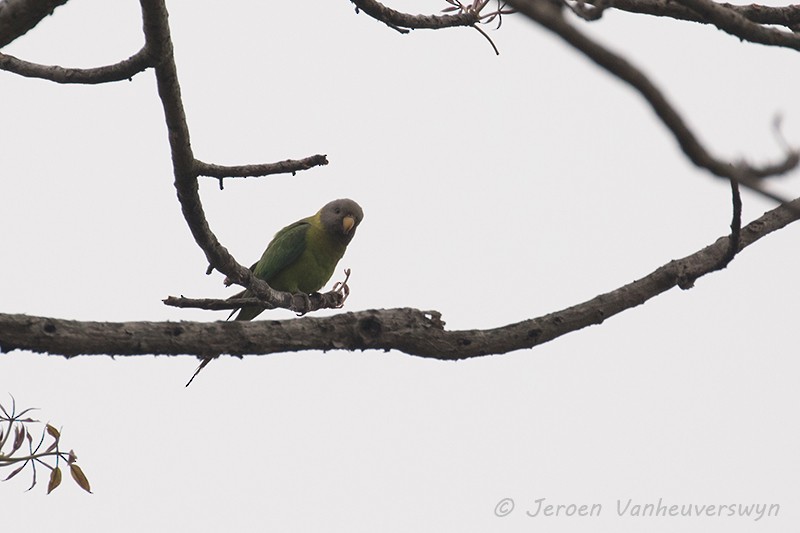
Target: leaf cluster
pixel 15 432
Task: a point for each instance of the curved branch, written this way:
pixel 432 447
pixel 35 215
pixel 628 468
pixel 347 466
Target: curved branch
pixel 411 331
pixel 551 18
pixel 398 20
pixel 124 70
pixel 17 17
pixel 157 35
pixel 186 168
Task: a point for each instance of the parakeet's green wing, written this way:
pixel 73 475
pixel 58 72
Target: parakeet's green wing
pixel 282 251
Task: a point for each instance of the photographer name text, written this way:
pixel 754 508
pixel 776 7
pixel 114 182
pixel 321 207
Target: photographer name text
pixel 630 508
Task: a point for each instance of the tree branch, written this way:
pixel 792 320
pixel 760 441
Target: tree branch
pixel 265 169
pixel 329 300
pixel 411 331
pixel 17 17
pixel 399 21
pixel 550 17
pixel 788 16
pixel 731 21
pixel 186 167
pixel 124 70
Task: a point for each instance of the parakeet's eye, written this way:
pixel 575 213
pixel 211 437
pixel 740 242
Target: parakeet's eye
pixel 338 211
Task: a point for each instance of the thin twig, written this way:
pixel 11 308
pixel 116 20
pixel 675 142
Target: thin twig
pixel 496 51
pixel 263 169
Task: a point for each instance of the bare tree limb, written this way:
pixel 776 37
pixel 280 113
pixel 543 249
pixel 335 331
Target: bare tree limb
pixel 550 17
pixel 731 21
pixel 186 167
pixel 265 169
pixel 399 21
pixel 411 331
pixel 788 16
pixel 329 300
pixel 124 70
pixel 17 17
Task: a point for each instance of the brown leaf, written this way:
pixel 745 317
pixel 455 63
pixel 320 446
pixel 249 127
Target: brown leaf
pixel 19 438
pixel 55 480
pixel 53 432
pixel 79 477
pixel 15 472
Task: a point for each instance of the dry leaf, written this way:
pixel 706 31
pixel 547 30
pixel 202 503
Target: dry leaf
pixel 79 477
pixel 55 480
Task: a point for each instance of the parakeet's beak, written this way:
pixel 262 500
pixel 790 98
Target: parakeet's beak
pixel 347 223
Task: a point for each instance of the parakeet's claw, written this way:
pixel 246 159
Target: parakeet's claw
pixel 342 288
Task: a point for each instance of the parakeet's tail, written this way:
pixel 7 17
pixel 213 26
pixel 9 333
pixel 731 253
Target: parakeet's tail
pixel 199 368
pixel 246 312
pixel 242 294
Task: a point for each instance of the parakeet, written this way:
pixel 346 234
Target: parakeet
pixel 302 256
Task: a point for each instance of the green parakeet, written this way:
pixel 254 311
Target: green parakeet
pixel 302 256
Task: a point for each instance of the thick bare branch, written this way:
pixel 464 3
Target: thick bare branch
pixel 17 17
pixel 411 331
pixel 124 70
pixel 551 18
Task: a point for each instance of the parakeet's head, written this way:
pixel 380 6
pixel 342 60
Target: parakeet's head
pixel 341 218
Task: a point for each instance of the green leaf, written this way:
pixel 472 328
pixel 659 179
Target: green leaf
pixel 55 480
pixel 79 477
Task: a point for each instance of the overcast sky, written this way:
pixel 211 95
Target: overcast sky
pixel 494 189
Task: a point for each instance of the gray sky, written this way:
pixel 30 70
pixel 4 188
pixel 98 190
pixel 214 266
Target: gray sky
pixel 494 189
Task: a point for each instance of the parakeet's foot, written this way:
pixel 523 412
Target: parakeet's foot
pixel 306 302
pixel 342 288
